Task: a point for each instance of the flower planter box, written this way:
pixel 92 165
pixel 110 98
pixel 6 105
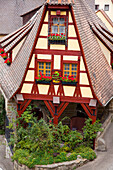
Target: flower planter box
pixel 69 83
pixel 43 82
pixel 60 41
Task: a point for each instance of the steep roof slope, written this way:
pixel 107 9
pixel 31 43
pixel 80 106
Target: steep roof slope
pixel 88 25
pixel 99 71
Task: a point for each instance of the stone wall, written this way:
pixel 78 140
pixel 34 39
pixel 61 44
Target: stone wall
pixel 11 109
pixel 69 165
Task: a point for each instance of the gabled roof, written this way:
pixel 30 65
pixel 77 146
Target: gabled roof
pixel 88 24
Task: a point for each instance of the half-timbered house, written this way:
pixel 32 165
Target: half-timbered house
pixel 60 59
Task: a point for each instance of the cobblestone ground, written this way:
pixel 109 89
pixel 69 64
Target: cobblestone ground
pixel 5 164
pixel 104 160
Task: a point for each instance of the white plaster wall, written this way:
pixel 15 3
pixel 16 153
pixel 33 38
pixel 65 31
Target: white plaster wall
pixel 105 21
pixel 57 59
pixel 101 4
pixel 105 51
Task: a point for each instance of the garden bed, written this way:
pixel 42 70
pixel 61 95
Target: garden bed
pixel 41 143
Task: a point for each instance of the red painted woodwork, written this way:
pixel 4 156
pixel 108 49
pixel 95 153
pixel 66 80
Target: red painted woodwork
pixel 62 98
pixel 58 7
pixel 49 108
pixel 57 52
pixel 21 107
pixel 55 120
pixel 70 61
pixel 44 60
pixel 92 113
pixel 60 109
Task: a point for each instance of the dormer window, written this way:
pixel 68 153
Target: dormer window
pixel 57 29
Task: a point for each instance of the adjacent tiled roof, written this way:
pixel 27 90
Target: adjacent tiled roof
pixel 61 2
pixel 11 10
pixel 11 77
pixel 88 25
pixel 8 42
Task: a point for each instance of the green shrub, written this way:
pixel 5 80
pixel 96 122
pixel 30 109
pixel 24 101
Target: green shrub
pixel 37 142
pixel 90 131
pixel 86 152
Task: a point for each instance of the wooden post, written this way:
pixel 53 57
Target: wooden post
pixel 55 120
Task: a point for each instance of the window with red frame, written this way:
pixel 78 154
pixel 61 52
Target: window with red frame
pixel 57 29
pixel 70 69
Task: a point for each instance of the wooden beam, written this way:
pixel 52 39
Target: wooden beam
pixel 62 98
pixel 49 108
pixel 58 52
pixel 61 105
pixel 90 115
pixel 27 104
pixel 55 120
pixel 62 109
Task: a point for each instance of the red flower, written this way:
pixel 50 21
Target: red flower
pixel 61 33
pixel 50 121
pixel 4 55
pixel 40 73
pixel 8 60
pixel 64 35
pixel 48 35
pixel 1 50
pixel 53 34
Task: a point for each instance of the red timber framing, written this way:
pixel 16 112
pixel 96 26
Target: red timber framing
pixel 21 106
pixel 90 111
pixel 56 110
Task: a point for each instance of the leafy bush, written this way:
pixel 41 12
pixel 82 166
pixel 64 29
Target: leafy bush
pixel 90 131
pixel 38 142
pixel 85 152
